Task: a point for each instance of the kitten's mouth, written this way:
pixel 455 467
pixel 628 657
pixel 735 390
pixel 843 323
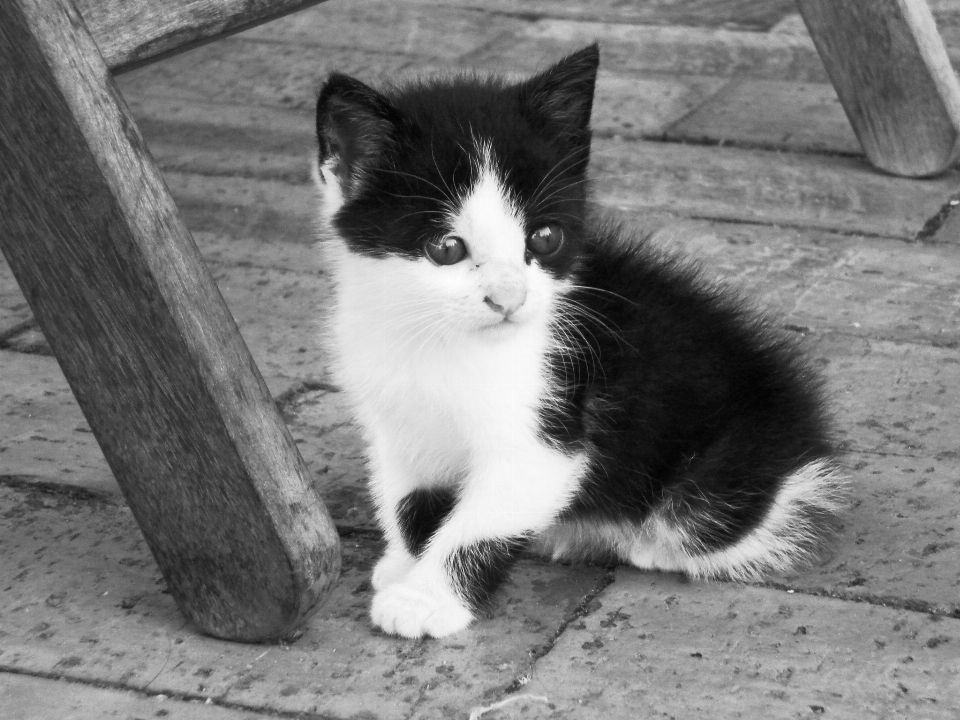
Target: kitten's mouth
pixel 504 324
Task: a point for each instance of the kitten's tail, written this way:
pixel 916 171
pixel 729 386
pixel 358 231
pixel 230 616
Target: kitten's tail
pixel 802 517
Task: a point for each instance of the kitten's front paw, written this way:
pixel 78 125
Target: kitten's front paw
pixel 392 568
pixel 401 609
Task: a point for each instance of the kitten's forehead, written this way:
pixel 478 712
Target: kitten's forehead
pixel 488 217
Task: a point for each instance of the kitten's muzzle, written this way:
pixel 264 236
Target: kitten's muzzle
pixel 507 293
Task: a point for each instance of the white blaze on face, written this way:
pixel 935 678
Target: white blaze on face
pixel 492 228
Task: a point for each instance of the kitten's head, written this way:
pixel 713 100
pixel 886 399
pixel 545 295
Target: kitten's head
pixel 462 198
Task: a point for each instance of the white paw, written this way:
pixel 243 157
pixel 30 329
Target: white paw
pixel 392 568
pixel 412 612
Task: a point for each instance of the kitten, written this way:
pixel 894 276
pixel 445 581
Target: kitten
pixel 528 375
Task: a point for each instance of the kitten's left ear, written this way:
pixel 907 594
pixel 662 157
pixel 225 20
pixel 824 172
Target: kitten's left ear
pixel 563 94
pixel 356 128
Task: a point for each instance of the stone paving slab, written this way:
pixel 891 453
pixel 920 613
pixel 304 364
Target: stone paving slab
pixel 246 208
pixel 837 193
pixel 894 398
pixel 284 62
pixel 321 424
pixel 658 646
pixel 799 117
pixel 240 71
pixel 24 697
pixel 908 417
pixel 644 49
pixel 870 287
pixel 900 542
pixel 747 14
pixel 80 597
pixel 14 311
pixel 44 437
pixel 230 124
pixel 757 186
pixel 278 315
pixel 276 142
pixel 433 33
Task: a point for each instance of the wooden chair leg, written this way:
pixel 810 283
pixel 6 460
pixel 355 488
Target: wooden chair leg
pixel 147 343
pixel 891 71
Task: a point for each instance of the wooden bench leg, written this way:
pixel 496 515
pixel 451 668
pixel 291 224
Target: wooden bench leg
pixel 891 71
pixel 147 343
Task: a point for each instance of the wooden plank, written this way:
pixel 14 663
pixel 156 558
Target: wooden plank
pixel 130 33
pixel 893 76
pixel 147 343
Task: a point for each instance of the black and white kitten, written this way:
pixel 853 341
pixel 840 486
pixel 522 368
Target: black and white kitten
pixel 527 375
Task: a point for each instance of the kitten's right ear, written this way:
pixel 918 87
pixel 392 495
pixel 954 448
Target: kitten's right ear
pixel 563 94
pixel 355 127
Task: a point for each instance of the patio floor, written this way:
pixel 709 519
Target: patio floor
pixel 714 122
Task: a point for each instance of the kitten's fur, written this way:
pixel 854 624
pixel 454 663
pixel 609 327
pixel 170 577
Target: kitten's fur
pixel 597 400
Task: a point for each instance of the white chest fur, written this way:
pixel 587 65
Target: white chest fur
pixel 441 395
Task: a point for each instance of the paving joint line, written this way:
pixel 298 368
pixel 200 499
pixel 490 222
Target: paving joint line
pixel 932 342
pixel 798 226
pixel 80 494
pixel 766 146
pixel 888 601
pixel 294 178
pixel 73 492
pixel 926 234
pixel 174 696
pixel 288 398
pixel 11 332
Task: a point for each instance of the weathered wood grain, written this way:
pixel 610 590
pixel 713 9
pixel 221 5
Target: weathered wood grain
pixel 893 76
pixel 132 32
pixel 147 343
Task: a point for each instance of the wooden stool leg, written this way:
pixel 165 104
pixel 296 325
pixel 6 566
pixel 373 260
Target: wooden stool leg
pixel 147 343
pixel 894 79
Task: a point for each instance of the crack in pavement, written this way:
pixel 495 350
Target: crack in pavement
pixel 583 609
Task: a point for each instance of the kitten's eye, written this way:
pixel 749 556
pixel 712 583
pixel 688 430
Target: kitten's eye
pixel 545 240
pixel 447 250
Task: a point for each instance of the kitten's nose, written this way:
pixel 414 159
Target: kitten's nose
pixel 507 293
